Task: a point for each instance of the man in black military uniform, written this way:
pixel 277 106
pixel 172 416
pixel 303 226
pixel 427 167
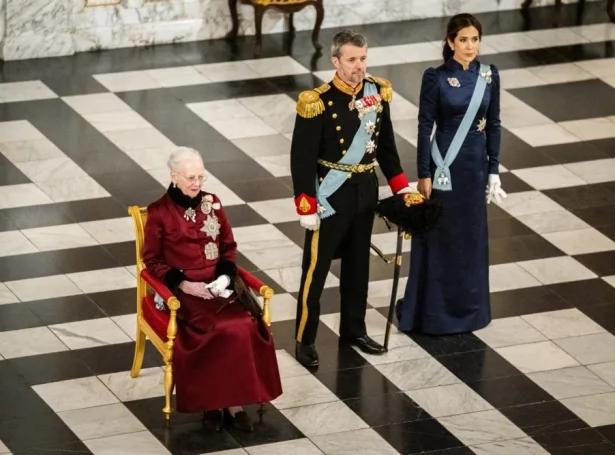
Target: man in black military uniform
pixel 342 129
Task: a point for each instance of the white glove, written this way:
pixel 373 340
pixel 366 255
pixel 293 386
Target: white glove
pixel 494 189
pixel 219 285
pixel 405 190
pixel 310 222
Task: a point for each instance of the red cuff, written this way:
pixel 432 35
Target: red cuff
pixel 398 182
pixel 305 204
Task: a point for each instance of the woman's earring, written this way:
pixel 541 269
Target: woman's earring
pixel 174 185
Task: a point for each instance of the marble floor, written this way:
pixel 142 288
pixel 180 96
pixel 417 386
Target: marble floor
pixel 83 137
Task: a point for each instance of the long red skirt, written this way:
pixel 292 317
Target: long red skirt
pixel 222 356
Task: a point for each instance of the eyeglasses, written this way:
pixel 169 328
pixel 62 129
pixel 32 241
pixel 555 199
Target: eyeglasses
pixel 194 179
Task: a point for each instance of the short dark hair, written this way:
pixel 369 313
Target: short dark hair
pixel 457 23
pixel 346 36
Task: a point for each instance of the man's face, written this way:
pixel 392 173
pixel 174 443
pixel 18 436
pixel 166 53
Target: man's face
pixel 352 63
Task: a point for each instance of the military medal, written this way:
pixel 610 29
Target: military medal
pixel 370 127
pixel 211 227
pixel 211 251
pixel 206 207
pixel 370 146
pixel 190 214
pixel 367 104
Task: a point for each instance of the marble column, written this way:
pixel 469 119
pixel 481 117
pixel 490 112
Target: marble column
pixel 36 28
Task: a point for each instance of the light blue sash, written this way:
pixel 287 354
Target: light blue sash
pixel 334 178
pixel 442 178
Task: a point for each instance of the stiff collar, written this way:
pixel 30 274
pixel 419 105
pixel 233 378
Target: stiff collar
pixel 455 65
pixel 344 87
pixel 181 199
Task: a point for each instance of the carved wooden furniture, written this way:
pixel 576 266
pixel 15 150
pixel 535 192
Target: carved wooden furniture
pixel 161 326
pixel 285 6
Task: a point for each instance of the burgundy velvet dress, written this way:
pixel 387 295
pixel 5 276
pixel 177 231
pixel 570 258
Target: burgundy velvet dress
pixel 223 355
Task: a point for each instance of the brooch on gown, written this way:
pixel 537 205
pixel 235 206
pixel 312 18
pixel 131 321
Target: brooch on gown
pixel 482 123
pixel 190 215
pixel 487 75
pixel 454 82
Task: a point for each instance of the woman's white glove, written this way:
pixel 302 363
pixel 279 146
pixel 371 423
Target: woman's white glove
pixel 494 189
pixel 219 286
pixel 310 222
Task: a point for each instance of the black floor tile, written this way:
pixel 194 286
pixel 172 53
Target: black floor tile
pixel 418 437
pixel 608 431
pixel 52 367
pixel 269 427
pixel 517 154
pixel 602 263
pixel 357 382
pixel 76 84
pixel 597 216
pixel 585 292
pixel 294 231
pixel 34 216
pixel 17 316
pixel 478 365
pixel 609 231
pixel 604 315
pixel 232 172
pixel 543 418
pixel 572 153
pixel 587 51
pixel 519 302
pixel 116 303
pixel 21 402
pixel 384 410
pixel 526 58
pixel 243 215
pixel 564 102
pixel 513 184
pixel 329 300
pixel 117 357
pixel 521 248
pixel 266 279
pixel 94 209
pixel 244 263
pixel 73 448
pixel 586 196
pixel 451 344
pixel 510 391
pixel 149 412
pixel 606 146
pixel 507 228
pixel 62 310
pixel 495 213
pixel 260 190
pixel 223 90
pixel 577 442
pixel 191 439
pixel 9 376
pixel 37 430
pixel 10 174
pixel 23 266
pixel 406 78
pixel 83 259
pixel 123 252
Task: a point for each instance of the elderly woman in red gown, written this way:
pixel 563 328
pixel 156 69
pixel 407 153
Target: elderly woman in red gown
pixel 224 355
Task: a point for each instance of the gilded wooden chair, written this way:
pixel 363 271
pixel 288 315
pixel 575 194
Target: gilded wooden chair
pixel 285 6
pixel 161 326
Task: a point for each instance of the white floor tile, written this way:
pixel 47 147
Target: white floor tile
pixel 276 258
pixel 506 277
pixel 601 68
pixel 529 203
pixel 570 382
pixel 556 37
pixel 401 348
pixel 176 77
pixel 103 280
pixel 482 427
pixel 217 111
pixel 557 270
pixel 580 241
pixel 141 138
pixel 90 333
pixel 303 390
pixel 387 243
pixel 276 210
pixel 590 129
pixel 596 171
pixel 125 444
pixel 101 421
pixel 11 92
pixel 549 177
pixel 297 447
pixel 417 374
pixel 110 231
pixel 606 372
pixel 14 242
pixel 533 357
pixel 324 418
pixel 227 71
pixel 30 150
pixel 288 365
pixel 6 296
pixel 59 237
pixel 96 103
pixel 596 32
pixel 509 332
pixel 265 146
pixel 561 73
pixel 106 122
pixel 51 169
pixel 449 400
pixel 73 189
pixel 242 128
pixel 556 221
pixel 542 135
pixel 590 349
pixel 525 446
pixel 520 78
pixel 266 105
pixel 126 81
pixel 596 410
pixel 365 442
pixel 23 195
pixel 47 287
pixel 149 384
pixel 278 166
pixel 379 292
pixel 27 342
pixel 75 394
pixel 19 130
pixel 276 66
pixel 563 323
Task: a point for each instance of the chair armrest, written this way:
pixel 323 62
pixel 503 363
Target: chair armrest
pixel 157 285
pixel 251 281
pixel 257 285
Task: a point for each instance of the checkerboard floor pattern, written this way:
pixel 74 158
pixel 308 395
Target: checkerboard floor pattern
pixel 76 150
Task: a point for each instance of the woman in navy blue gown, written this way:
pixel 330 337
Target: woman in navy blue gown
pixel 448 286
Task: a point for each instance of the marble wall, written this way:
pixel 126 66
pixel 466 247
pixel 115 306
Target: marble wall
pixel 47 28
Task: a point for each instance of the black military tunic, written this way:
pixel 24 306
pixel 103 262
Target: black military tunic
pixel 324 129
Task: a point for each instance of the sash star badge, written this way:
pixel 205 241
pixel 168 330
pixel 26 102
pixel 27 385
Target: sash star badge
pixel 482 123
pixel 370 127
pixel 211 227
pixel 370 146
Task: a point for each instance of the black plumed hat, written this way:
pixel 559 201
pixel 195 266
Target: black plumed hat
pixel 411 213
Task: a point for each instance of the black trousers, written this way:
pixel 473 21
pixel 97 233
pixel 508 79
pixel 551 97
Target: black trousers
pixel 346 235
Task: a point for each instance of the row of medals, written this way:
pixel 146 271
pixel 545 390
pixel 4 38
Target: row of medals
pixel 211 226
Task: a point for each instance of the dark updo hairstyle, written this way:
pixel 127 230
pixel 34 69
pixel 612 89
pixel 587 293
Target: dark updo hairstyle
pixel 457 23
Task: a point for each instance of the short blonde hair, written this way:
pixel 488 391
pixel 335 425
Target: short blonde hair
pixel 180 154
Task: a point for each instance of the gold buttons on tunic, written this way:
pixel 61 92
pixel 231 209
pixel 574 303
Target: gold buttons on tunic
pixel 343 152
pixel 378 133
pixel 348 176
pixel 377 120
pixel 330 103
pixel 342 141
pixel 334 116
pixel 321 179
pixel 338 128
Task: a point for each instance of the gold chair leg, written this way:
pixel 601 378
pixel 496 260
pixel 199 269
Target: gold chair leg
pixel 168 390
pixel 139 352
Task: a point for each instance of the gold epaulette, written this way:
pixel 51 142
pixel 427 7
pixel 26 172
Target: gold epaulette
pixel 309 104
pixel 386 88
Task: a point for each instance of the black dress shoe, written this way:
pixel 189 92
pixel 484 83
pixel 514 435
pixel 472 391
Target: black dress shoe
pixel 306 355
pixel 241 420
pixel 212 420
pixel 366 344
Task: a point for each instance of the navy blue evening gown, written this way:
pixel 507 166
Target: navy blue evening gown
pixel 448 285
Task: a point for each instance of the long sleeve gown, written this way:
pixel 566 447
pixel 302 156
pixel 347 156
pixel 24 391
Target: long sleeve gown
pixel 223 356
pixel 448 285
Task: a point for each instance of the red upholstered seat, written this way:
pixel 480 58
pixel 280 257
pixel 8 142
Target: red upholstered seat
pixel 158 320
